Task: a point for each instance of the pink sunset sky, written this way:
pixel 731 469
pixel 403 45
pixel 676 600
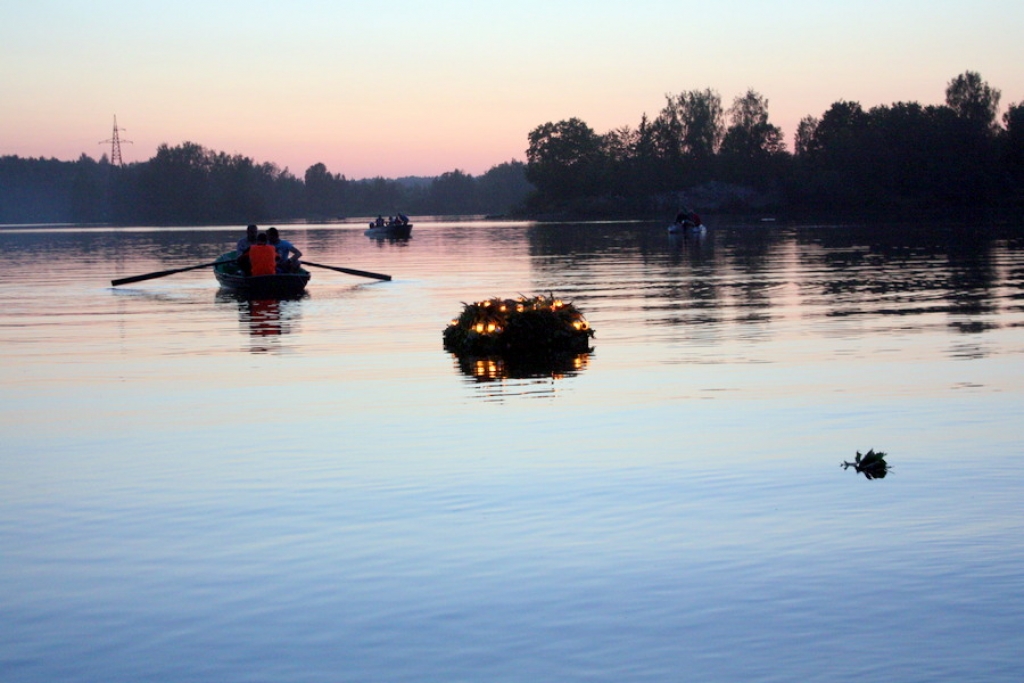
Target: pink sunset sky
pixel 395 87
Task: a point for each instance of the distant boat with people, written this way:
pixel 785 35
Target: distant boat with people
pixel 687 223
pixel 687 229
pixel 395 227
pixel 399 232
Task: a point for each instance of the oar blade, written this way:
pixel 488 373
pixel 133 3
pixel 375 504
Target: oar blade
pixel 147 276
pixel 164 273
pixel 350 271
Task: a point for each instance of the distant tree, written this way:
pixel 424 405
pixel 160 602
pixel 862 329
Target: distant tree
pixel 453 192
pixel 283 193
pixel 751 145
pixel 702 118
pixel 617 144
pixel 666 134
pixel 642 174
pixel 1013 119
pixel 617 147
pixel 642 141
pixel 803 139
pixel 749 134
pixel 174 185
pixel 833 159
pixel 35 190
pixel 564 158
pixel 753 151
pixel 973 99
pixel 89 200
pixel 1013 144
pixel 908 159
pixel 504 188
pixel 234 186
pixel 325 193
pixel 372 196
pixel 687 134
pixel 840 128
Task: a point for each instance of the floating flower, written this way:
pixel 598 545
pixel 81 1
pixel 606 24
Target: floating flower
pixel 871 464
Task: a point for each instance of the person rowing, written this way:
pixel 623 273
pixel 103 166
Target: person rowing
pixel 687 219
pixel 250 239
pixel 287 254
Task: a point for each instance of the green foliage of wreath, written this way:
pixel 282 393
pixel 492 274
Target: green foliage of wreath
pixel 522 326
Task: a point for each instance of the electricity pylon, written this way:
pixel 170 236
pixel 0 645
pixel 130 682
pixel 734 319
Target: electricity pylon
pixel 115 144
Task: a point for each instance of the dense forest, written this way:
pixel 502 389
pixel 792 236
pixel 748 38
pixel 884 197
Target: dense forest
pixel 903 159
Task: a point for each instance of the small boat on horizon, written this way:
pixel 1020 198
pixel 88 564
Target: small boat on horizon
pixel 686 228
pixel 396 227
pixel 399 231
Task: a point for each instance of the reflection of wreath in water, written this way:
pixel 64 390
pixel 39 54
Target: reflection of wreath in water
pixel 554 365
pixel 523 337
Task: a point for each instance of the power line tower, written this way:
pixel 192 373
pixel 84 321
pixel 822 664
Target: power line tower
pixel 115 144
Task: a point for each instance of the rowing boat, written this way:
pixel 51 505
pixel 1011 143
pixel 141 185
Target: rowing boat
pixel 279 285
pixel 686 228
pixel 394 231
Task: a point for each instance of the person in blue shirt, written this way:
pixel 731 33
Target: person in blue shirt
pixel 287 254
pixel 247 241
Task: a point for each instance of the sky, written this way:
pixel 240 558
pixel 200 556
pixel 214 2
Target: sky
pixel 395 88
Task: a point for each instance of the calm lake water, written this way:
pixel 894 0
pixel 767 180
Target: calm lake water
pixel 197 488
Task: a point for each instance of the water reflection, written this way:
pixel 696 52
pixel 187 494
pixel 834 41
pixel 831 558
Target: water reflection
pixel 264 321
pixel 495 378
pixel 392 241
pixel 905 270
pixel 496 368
pixel 693 248
pixel 750 281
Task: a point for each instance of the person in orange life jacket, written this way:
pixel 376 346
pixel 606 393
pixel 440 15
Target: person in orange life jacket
pixel 287 254
pixel 262 257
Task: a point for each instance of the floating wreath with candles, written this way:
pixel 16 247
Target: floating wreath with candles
pixel 518 327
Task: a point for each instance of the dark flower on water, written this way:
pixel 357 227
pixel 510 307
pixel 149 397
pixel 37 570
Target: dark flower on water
pixel 871 464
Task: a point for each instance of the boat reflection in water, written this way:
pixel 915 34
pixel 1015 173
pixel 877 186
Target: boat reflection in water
pixel 264 321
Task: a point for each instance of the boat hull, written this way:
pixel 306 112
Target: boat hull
pixel 280 285
pixel 390 232
pixel 686 229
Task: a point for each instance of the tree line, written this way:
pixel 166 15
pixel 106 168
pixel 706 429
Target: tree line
pixel 899 159
pixel 189 184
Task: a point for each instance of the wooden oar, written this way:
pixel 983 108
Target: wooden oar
pixel 350 271
pixel 163 273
